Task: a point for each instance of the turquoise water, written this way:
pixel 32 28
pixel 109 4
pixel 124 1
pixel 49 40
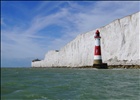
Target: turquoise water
pixel 69 84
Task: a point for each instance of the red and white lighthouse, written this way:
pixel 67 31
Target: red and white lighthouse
pixel 97 52
pixel 97 49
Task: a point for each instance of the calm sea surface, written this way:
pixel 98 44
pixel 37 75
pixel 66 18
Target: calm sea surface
pixel 69 84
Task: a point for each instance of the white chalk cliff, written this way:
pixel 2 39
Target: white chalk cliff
pixel 120 45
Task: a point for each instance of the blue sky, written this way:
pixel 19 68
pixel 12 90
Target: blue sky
pixel 31 28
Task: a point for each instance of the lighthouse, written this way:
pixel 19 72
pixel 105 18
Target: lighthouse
pixel 97 63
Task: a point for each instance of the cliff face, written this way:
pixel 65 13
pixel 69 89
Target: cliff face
pixel 119 45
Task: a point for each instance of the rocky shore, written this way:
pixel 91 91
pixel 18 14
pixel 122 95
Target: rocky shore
pixel 124 66
pixel 109 67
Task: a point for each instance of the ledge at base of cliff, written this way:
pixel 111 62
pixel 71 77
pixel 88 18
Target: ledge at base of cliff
pixel 109 67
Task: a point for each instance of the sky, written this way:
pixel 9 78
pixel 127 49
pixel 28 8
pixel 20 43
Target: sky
pixel 29 29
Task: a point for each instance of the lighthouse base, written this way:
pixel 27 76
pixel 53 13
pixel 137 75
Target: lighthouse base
pixel 100 66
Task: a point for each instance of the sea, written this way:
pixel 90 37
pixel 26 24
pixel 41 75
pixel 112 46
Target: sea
pixel 69 84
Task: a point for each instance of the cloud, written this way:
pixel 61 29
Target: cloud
pixel 46 7
pixel 20 41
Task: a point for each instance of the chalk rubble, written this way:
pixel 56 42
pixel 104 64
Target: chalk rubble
pixel 120 45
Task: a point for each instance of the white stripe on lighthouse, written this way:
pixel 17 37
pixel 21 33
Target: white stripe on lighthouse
pixel 97 42
pixel 97 57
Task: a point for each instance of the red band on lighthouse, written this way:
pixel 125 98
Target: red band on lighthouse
pixel 97 50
